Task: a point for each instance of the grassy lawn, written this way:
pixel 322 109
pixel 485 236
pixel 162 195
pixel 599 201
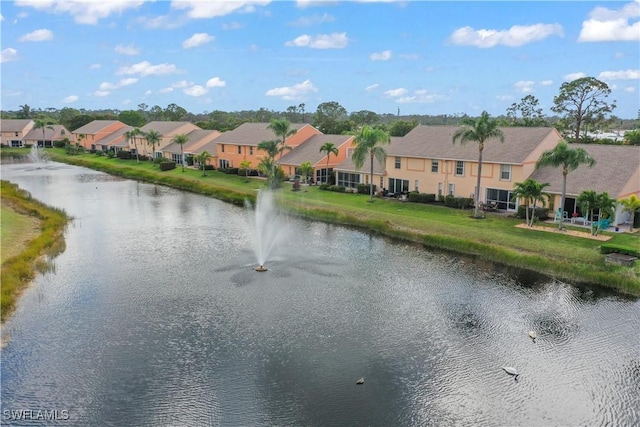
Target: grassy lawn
pixel 495 237
pixel 15 231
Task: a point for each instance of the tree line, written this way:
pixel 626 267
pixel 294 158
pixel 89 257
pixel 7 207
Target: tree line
pixel 581 108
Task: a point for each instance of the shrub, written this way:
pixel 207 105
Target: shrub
pixel 230 171
pixel 421 197
pixel 610 248
pixel 165 166
pixel 364 189
pixel 458 202
pixel 124 155
pixel 59 143
pixel 336 188
pixel 540 213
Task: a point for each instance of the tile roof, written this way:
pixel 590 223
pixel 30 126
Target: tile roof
pixel 14 125
pixel 95 126
pixel 436 142
pixel 309 151
pixel 615 166
pixel 252 134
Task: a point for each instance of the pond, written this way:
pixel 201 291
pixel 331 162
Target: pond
pixel 154 315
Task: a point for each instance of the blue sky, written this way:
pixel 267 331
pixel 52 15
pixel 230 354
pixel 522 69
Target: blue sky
pixel 423 57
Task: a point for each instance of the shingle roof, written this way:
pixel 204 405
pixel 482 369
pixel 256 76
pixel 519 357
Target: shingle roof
pixel 109 139
pixel 252 134
pixel 197 140
pixel 49 134
pixel 436 142
pixel 163 128
pixel 14 125
pixel 615 166
pixel 94 127
pixel 378 168
pixel 309 151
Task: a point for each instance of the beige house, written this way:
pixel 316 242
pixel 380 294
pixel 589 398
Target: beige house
pixel 90 134
pixel 200 140
pixel 13 131
pixel 348 176
pixel 240 144
pixel 616 172
pixel 167 130
pixel 309 151
pixel 45 139
pixel 427 160
pixel 115 141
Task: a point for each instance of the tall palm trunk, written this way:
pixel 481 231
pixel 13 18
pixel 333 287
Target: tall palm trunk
pixel 327 172
pixel 477 192
pixel 562 196
pixel 371 180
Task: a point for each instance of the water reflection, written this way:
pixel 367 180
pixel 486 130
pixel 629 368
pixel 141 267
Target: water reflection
pixel 154 316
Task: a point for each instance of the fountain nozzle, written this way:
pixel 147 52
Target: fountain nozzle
pixel 261 268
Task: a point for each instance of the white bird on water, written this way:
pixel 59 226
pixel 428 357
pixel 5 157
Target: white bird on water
pixel 360 381
pixel 511 371
pixel 533 335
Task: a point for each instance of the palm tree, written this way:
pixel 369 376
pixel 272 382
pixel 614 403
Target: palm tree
pixel 203 158
pixel 181 139
pixel 531 191
pixel 606 207
pixel 43 124
pixel 272 148
pixel 282 129
pixel 567 158
pixel 632 205
pixel 478 130
pixel 81 137
pixel 588 202
pixel 132 135
pixel 368 143
pixel 153 137
pixel 329 148
pixel 246 165
pixel 306 169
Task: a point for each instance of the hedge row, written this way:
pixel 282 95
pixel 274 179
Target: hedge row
pixel 610 248
pixel 422 197
pixel 458 202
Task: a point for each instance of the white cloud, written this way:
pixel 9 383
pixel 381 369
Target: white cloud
pixel 517 35
pixel 294 92
pixel 321 41
pixel 197 9
pixel 612 25
pixel 524 86
pixel 392 93
pixel 308 21
pixel 196 40
pixel 1 18
pixel 166 90
pixel 574 76
pixel 95 66
pixel 372 87
pixel 70 99
pixel 130 50
pixel 385 55
pixel 421 96
pixel 147 92
pixel 9 54
pixel 620 75
pixel 107 86
pixel 83 12
pixel 145 68
pixel 546 83
pixel 630 89
pixel 37 36
pixel 232 26
pixel 196 90
pixel 216 82
pixel 102 93
pixel 181 84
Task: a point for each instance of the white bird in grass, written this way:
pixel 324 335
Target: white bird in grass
pixel 360 381
pixel 511 371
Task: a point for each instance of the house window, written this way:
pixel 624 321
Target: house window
pixel 251 151
pixel 322 175
pixel 452 189
pixel 398 185
pixel 398 162
pixel 224 164
pixel 439 189
pixel 17 134
pixel 459 168
pixel 417 187
pixel 502 198
pixel 176 158
pixel 239 149
pixel 222 149
pixel 434 166
pixel 349 180
pixel 505 172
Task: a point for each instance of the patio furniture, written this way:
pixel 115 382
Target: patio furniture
pixel 561 217
pixel 581 220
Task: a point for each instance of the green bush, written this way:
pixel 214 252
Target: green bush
pixel 335 188
pixel 124 155
pixel 541 214
pixel 59 143
pixel 364 189
pixel 165 166
pixel 230 171
pixel 610 248
pixel 421 197
pixel 458 202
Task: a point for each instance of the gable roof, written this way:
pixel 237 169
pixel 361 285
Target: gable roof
pixel 309 151
pixel 197 140
pixel 252 134
pixel 14 125
pixel 615 166
pixel 163 128
pixel 116 137
pixel 436 142
pixel 58 131
pixel 378 168
pixel 95 126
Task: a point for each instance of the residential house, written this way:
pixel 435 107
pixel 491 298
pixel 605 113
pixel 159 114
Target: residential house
pixel 90 134
pixel 309 151
pixel 51 133
pixel 616 172
pixel 116 141
pixel 167 130
pixel 241 144
pixel 347 175
pixel 13 131
pixel 199 141
pixel 428 161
